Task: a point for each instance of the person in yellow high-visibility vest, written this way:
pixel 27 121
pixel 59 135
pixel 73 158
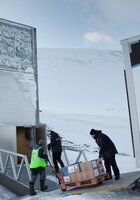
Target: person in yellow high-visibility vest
pixel 37 166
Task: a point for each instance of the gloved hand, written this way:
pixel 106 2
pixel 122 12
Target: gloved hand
pixel 101 156
pixel 49 146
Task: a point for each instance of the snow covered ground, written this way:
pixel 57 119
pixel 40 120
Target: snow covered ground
pixel 6 194
pixel 105 195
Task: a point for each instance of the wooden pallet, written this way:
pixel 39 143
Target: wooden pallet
pixel 93 181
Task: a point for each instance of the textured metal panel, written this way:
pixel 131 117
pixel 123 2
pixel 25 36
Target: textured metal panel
pixel 18 75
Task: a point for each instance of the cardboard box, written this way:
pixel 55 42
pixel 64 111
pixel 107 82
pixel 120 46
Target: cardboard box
pixel 67 179
pixel 76 177
pixel 102 170
pixel 86 166
pixel 90 174
pixel 79 176
pixel 77 168
pixel 99 163
pixel 83 167
pixel 89 165
pixel 94 163
pixel 87 175
pixel 73 168
pixel 73 177
pixel 96 172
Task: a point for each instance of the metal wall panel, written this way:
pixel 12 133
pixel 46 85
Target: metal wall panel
pixel 18 75
pixel 8 138
pixel 132 68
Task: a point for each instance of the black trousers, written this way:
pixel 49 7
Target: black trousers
pixel 35 171
pixel 111 163
pixel 56 160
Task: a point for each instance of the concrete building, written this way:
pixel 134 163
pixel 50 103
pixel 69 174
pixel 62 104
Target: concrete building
pixel 19 102
pixel 131 51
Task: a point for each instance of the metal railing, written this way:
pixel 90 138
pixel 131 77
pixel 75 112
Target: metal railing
pixel 8 160
pixel 80 153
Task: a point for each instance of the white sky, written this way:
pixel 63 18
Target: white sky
pixel 76 23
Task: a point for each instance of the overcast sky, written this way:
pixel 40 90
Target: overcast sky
pixel 97 24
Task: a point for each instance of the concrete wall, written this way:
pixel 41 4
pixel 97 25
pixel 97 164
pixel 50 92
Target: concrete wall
pixel 18 75
pixel 131 49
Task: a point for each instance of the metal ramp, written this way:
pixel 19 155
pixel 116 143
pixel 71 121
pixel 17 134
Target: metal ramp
pixel 15 176
pixel 10 172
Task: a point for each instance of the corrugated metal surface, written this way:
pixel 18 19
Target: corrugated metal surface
pixel 16 108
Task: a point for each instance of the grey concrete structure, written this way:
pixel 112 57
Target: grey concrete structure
pixel 19 105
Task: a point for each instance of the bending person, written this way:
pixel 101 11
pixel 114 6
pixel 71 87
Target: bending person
pixel 107 151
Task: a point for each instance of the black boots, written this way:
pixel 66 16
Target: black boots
pixel 117 177
pixel 42 186
pixel 32 191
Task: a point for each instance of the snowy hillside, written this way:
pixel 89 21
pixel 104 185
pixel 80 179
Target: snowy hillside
pixel 81 81
pixel 84 89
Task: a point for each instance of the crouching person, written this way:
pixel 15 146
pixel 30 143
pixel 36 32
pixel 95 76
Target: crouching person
pixel 37 166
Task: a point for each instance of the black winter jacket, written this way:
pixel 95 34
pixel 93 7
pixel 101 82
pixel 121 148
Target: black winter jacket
pixel 55 142
pixel 107 147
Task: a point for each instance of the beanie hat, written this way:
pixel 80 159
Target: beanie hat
pixel 42 142
pixel 95 132
pixel 52 132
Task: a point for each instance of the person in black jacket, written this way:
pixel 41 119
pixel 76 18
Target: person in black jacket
pixel 107 151
pixel 56 147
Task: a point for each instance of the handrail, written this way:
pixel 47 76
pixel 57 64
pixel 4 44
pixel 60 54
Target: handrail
pixel 64 151
pixel 11 158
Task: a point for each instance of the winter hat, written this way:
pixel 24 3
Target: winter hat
pixel 54 133
pixel 95 132
pixel 42 142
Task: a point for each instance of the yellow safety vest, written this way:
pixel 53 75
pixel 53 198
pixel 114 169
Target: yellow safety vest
pixel 36 161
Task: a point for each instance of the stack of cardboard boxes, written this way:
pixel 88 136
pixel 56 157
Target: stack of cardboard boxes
pixel 82 171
